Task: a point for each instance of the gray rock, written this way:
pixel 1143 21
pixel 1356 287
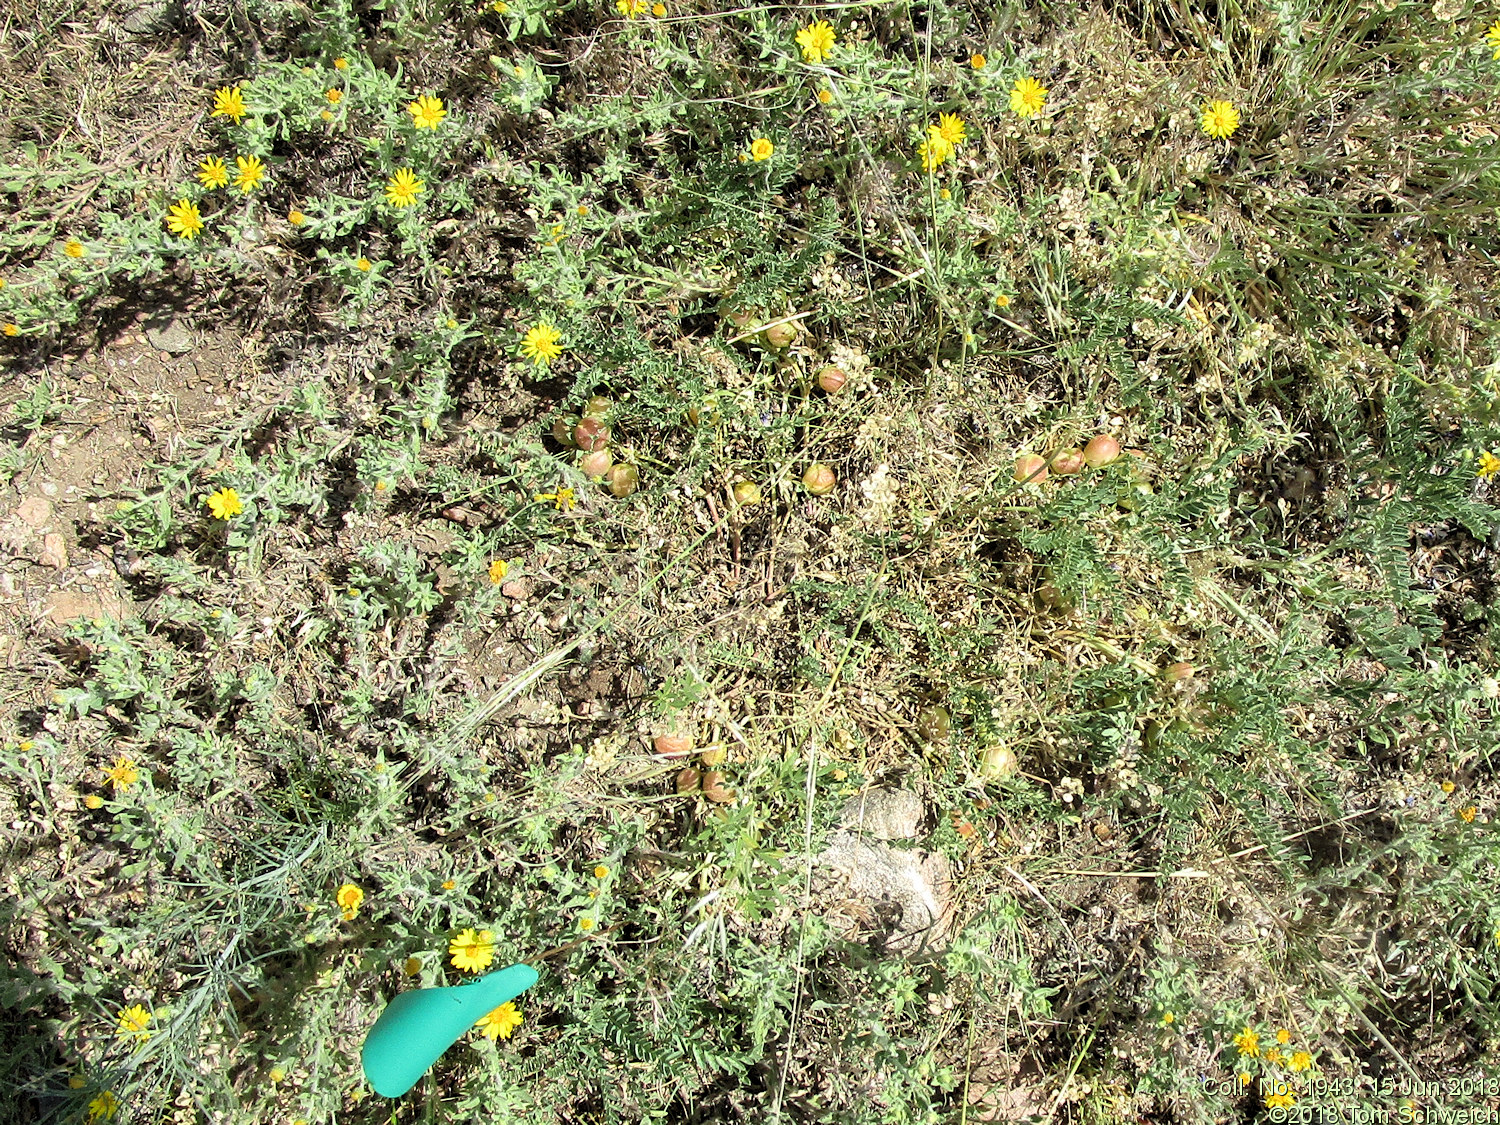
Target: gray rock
pixel 150 17
pixel 170 335
pixel 897 900
pixel 886 814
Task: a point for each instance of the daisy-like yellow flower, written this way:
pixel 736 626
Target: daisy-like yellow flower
pixel 631 8
pixel 1300 1061
pixel 1283 1036
pixel 296 218
pixel 542 343
pixel 1248 1043
pixel 103 1106
pixel 333 96
pixel 224 503
pixel 123 774
pixel 1027 97
pixel 601 871
pixel 761 149
pixel 499 1023
pixel 816 40
pixel 363 265
pixel 1284 1100
pixel 825 96
pixel 349 898
pixel 1275 1057
pixel 133 1022
pixel 951 128
pixel 1168 1019
pixel 498 570
pixel 340 64
pixel 1488 465
pixel 933 152
pixel 1492 38
pixel 1220 119
pixel 659 10
pixel 563 498
pixel 249 172
pixel 472 951
pixel 93 801
pixel 183 219
pixel 427 112
pixel 212 173
pixel 11 329
pixel 585 924
pixel 1467 814
pixel 978 61
pixel 73 248
pixel 229 102
pixel 1002 300
pixel 402 189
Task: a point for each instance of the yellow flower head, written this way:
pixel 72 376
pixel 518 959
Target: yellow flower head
pixel 1284 1100
pixel 564 500
pixel 349 898
pixel 1301 1061
pixel 978 61
pixel 363 265
pixel 585 924
pixel 249 172
pixel 659 10
pixel 631 8
pixel 1220 119
pixel 134 1022
pixel 601 871
pixel 334 96
pixel 542 343
pixel 472 951
pixel 1248 1043
pixel 1467 814
pixel 73 248
pixel 1002 300
pixel 402 189
pixel 103 1106
pixel 500 1023
pixel 825 96
pixel 123 774
pixel 1492 38
pixel 933 152
pixel 183 219
pixel 1283 1036
pixel 326 115
pixel 761 149
pixel 1488 465
pixel 229 102
pixel 1168 1019
pixel 950 127
pixel 816 40
pixel 93 801
pixel 296 218
pixel 1027 97
pixel 212 173
pixel 1275 1057
pixel 427 112
pixel 341 64
pixel 224 503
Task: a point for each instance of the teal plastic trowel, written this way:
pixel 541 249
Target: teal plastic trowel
pixel 418 1026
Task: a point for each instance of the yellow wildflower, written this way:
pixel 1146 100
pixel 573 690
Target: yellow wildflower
pixel 1002 300
pixel 349 899
pixel 73 248
pixel 1467 814
pixel 134 1022
pixel 229 102
pixel 296 218
pixel 1301 1061
pixel 364 266
pixel 224 503
pixel 585 924
pixel 978 61
pixel 1220 119
pixel 658 10
pixel 427 112
pixel 401 190
pixel 411 966
pixel 183 219
pixel 816 40
pixel 951 128
pixel 499 1023
pixel 761 149
pixel 1248 1042
pixel 340 64
pixel 631 8
pixel 103 1106
pixel 1027 97
pixel 123 774
pixel 93 801
pixel 601 871
pixel 277 1074
pixel 542 343
pixel 1275 1057
pixel 449 884
pixel 498 570
pixel 334 96
pixel 472 951
pixel 1283 1036
pixel 326 115
pixel 933 152
pixel 1168 1019
pixel 1489 464
pixel 1492 38
pixel 249 173
pixel 212 173
pixel 1284 1100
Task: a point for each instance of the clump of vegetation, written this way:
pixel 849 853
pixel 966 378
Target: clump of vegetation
pixel 495 484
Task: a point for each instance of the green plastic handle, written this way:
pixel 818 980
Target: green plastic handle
pixel 418 1026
